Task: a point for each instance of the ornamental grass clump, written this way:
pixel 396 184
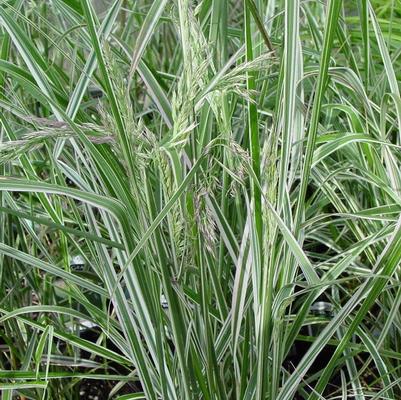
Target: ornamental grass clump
pixel 200 200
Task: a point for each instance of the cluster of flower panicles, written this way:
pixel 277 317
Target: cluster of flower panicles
pixel 197 83
pixel 47 130
pixel 204 219
pixel 241 161
pixel 194 77
pixel 137 141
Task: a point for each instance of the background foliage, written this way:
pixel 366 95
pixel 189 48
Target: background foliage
pixel 200 199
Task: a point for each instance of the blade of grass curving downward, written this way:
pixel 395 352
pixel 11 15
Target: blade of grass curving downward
pixel 333 10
